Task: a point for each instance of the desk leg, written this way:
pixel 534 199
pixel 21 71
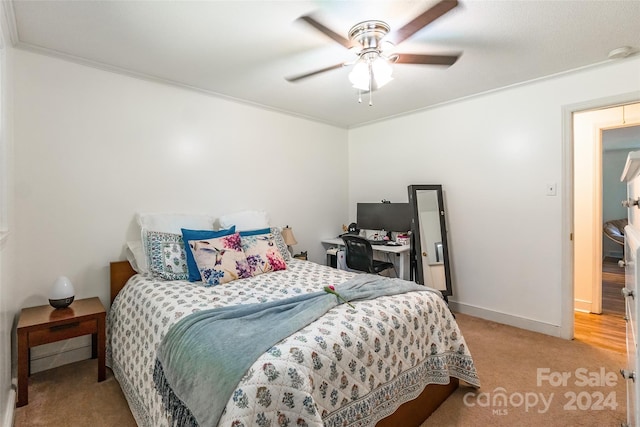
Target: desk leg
pixel 23 369
pixel 402 269
pixel 101 350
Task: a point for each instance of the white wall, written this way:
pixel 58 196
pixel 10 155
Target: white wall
pixel 494 155
pixel 92 148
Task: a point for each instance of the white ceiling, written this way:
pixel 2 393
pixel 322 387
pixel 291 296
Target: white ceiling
pixel 244 49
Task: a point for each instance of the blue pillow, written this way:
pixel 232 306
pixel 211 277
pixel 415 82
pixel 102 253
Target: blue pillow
pixel 192 267
pixel 254 232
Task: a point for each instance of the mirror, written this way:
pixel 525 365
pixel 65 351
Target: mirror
pixel 430 260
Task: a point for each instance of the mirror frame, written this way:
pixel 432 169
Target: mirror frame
pixel 416 248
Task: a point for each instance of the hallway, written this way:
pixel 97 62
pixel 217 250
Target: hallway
pixel 606 330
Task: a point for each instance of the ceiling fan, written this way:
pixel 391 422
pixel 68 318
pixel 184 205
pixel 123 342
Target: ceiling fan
pixel 369 39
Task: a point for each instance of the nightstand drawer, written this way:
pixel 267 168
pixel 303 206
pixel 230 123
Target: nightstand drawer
pixel 62 332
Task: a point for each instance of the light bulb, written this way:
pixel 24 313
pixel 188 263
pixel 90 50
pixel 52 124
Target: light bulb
pixel 381 72
pixel 359 76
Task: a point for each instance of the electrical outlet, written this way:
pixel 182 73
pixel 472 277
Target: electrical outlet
pixel 551 189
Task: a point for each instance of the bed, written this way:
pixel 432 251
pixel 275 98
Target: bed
pixel 388 361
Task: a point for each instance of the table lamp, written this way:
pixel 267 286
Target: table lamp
pixel 62 293
pixel 289 238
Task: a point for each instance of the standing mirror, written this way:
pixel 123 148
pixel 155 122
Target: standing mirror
pixel 429 237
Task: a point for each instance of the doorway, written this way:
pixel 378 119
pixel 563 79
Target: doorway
pixel 591 130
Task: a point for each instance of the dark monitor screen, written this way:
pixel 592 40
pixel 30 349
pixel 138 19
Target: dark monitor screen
pixel 384 216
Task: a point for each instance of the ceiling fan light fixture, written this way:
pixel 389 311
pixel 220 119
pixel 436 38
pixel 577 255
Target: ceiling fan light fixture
pixel 372 68
pixel 371 71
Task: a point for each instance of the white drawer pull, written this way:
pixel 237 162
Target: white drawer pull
pixel 628 293
pixel 628 375
pixel 621 263
pixel 628 203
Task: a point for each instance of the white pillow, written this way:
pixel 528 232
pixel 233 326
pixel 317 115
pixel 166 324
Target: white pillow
pixel 135 256
pixel 245 220
pixel 174 222
pixel 164 223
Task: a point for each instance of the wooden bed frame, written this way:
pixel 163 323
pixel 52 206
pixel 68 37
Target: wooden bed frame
pixel 410 414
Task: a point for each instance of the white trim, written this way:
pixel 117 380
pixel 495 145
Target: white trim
pixel 161 80
pixel 17 43
pixel 60 353
pixel 582 306
pixel 507 319
pixel 7 419
pixel 596 227
pixel 566 229
pixel 567 291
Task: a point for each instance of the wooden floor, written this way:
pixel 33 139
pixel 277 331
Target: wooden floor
pixel 606 330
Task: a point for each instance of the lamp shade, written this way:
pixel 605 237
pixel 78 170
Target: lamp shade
pixel 62 293
pixel 359 76
pixel 381 71
pixel 289 238
pixel 371 72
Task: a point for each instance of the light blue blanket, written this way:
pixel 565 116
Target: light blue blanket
pixel 203 357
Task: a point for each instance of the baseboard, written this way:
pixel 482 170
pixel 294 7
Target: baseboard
pixel 507 319
pixel 582 305
pixel 7 419
pixel 56 354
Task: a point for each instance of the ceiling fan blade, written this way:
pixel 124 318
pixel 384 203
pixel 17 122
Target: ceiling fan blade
pixel 313 73
pixel 326 31
pixel 422 20
pixel 412 58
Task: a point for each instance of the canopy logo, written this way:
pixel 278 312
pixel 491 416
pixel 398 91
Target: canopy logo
pixel 500 401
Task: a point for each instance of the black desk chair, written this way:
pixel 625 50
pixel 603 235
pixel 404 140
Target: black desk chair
pixel 359 255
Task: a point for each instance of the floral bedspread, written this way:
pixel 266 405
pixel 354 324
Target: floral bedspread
pixel 351 367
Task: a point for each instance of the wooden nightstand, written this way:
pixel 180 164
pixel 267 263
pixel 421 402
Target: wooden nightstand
pixel 45 324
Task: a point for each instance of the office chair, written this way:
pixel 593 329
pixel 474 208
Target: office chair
pixel 359 255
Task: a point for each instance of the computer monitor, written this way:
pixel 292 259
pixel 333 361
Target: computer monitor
pixel 384 216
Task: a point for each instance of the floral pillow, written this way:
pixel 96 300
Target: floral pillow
pixel 282 246
pixel 166 257
pixel 187 235
pixel 262 253
pixel 220 260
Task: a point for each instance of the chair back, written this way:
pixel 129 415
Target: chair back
pixel 359 253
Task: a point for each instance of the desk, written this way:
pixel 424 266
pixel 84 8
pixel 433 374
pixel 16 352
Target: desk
pixel 402 252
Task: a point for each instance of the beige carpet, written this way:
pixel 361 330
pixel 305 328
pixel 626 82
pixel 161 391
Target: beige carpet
pixel 71 396
pixel 507 359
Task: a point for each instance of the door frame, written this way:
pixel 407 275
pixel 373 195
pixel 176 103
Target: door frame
pixel 567 228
